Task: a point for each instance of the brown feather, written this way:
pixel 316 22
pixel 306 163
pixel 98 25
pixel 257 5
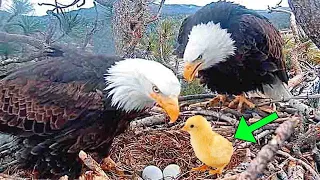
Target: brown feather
pixel 58 107
pixel 273 36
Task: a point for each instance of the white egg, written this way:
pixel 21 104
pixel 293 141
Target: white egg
pixel 172 171
pixel 152 173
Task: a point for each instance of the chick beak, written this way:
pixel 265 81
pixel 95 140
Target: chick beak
pixel 184 128
pixel 169 104
pixel 191 70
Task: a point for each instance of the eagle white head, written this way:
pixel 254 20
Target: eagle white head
pixel 208 45
pixel 135 84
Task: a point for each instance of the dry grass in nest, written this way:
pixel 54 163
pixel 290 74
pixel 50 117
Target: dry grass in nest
pixel 136 149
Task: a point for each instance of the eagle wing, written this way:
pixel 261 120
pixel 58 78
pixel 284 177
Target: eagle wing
pixel 57 107
pixel 50 95
pixel 257 39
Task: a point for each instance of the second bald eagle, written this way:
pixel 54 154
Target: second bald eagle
pixel 233 50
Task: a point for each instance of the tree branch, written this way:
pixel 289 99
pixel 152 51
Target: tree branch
pixel 217 115
pixel 92 165
pixel 267 153
pixel 62 6
pixel 6 37
pixel 196 96
pixel 307 166
pixel 278 10
pixel 90 34
pixel 22 60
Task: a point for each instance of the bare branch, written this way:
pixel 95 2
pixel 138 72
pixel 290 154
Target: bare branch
pixel 22 60
pixel 90 34
pixel 93 165
pixel 217 115
pixel 62 6
pixel 149 121
pixel 6 37
pixel 271 9
pixel 196 96
pixel 129 24
pixel 307 166
pixel 267 153
pixel 275 8
pixel 157 16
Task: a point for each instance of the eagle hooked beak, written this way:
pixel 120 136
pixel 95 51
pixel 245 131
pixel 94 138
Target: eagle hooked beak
pixel 191 69
pixel 169 104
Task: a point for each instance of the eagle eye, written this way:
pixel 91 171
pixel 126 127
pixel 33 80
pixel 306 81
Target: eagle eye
pixel 156 89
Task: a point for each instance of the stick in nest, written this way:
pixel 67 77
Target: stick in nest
pixel 267 153
pixel 98 173
pixel 307 166
pixel 217 115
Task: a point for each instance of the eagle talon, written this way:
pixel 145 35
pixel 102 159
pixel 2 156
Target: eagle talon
pixel 241 99
pixel 219 99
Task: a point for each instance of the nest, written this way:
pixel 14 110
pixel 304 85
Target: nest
pixel 138 148
pixel 151 141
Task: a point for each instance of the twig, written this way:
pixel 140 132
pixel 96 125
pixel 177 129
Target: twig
pixel 307 166
pixel 278 10
pixel 62 6
pixel 94 29
pixel 310 66
pixel 92 165
pixel 149 121
pixel 258 137
pixel 275 8
pixel 217 115
pixel 231 177
pixel 160 8
pixel 6 37
pixel 295 172
pixel 304 109
pixel 197 96
pixel 267 153
pixel 308 139
pixel 314 96
pixel 236 113
pixel 296 80
pixel 8 177
pixel 22 60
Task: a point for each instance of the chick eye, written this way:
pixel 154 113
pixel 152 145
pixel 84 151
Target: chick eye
pixel 200 56
pixel 191 126
pixel 155 89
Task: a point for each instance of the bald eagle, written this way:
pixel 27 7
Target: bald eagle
pixel 77 101
pixel 233 50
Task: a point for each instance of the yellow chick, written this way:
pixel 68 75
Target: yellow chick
pixel 211 148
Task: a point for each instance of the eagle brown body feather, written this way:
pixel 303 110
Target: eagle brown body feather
pixel 56 108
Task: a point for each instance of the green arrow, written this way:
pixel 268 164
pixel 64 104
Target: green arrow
pixel 244 132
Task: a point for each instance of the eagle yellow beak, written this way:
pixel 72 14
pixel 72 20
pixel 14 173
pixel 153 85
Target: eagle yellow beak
pixel 191 69
pixel 169 104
